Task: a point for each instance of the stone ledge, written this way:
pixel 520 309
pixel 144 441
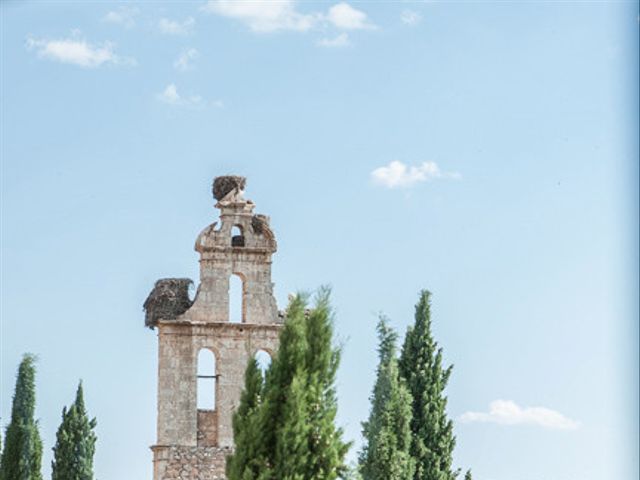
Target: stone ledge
pixel 188 325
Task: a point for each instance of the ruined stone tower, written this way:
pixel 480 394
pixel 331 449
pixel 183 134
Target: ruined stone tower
pixel 192 442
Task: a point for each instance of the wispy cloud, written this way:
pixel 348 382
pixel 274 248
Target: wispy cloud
pixel 344 16
pixel 174 27
pixel 507 412
pixel 171 96
pixel 76 51
pixel 185 61
pixel 124 16
pixel 410 17
pixel 399 175
pixel 273 16
pixel 340 40
pixel 264 17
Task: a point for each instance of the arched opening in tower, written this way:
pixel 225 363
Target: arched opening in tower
pixel 263 359
pixel 236 299
pixel 206 388
pixel 237 236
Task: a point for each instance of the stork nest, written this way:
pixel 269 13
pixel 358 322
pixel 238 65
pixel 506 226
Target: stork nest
pixel 260 225
pixel 168 300
pixel 223 185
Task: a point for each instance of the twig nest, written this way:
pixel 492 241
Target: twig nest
pixel 168 300
pixel 223 185
pixel 259 223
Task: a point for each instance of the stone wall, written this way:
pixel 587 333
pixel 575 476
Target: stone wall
pixel 207 428
pixel 190 463
pixel 232 344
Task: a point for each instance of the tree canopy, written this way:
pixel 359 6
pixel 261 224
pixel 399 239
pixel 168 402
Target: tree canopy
pixel 22 453
pixel 75 443
pixel 387 433
pixel 288 432
pixel 421 366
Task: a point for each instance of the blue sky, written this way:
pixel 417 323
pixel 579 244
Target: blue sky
pixel 486 151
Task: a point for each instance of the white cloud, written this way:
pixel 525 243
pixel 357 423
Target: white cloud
pixel 77 52
pixel 185 61
pixel 344 16
pixel 506 412
pixel 398 175
pixel 173 27
pixel 340 40
pixel 410 17
pixel 124 16
pixel 264 16
pixel 277 15
pixel 171 96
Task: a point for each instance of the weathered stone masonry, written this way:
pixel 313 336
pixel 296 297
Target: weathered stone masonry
pixel 192 444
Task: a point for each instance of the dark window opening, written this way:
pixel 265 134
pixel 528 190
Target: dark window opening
pixel 237 237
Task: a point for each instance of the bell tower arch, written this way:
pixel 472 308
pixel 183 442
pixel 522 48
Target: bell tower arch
pixel 192 443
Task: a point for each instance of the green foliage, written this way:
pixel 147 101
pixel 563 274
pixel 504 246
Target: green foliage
pixel 387 433
pixel 421 366
pixel 244 463
pixel 291 434
pixel 323 358
pixel 22 453
pixel 281 398
pixel 75 443
pixel 467 476
pixel 351 472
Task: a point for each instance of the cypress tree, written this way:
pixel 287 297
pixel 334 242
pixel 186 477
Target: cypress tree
pixel 421 366
pixel 282 400
pixel 244 462
pixel 292 453
pixel 75 443
pixel 386 453
pixel 323 358
pixel 22 453
pixel 293 433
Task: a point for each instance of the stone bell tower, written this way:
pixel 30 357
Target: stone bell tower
pixel 193 442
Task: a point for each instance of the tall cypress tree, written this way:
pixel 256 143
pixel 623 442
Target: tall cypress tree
pixel 386 453
pixel 282 400
pixel 22 454
pixel 244 463
pixel 75 443
pixel 421 366
pixel 292 452
pixel 323 358
pixel 294 436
